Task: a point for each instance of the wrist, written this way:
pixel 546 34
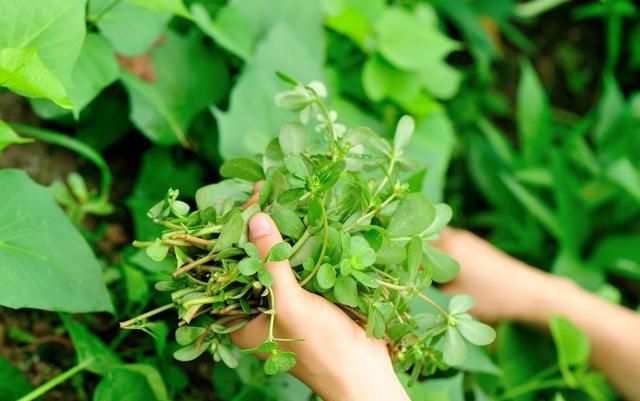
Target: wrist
pixel 545 296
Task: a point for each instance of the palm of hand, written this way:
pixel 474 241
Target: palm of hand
pixel 328 335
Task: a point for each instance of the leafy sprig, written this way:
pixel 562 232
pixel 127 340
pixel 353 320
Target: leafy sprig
pixel 353 232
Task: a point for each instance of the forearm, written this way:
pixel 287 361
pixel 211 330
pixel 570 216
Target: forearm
pixel 612 330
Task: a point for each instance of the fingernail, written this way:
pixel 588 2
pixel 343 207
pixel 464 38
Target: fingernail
pixel 259 226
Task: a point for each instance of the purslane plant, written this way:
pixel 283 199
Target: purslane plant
pixel 353 230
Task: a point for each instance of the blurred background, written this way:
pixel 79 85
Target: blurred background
pixel 528 125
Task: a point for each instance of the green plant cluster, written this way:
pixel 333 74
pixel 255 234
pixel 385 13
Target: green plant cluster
pixel 526 118
pixel 353 231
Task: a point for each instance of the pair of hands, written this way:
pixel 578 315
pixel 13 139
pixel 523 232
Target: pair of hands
pixel 337 359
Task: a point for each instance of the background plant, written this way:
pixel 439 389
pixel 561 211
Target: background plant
pixel 541 156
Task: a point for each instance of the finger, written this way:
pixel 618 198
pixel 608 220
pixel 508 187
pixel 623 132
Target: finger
pixel 256 194
pixel 253 334
pixel 264 235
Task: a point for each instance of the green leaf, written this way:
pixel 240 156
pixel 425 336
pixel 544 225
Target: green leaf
pixel 315 212
pixel 414 257
pixel 55 31
pixel 287 221
pixel 189 78
pixel 409 43
pixel 433 144
pixel 185 335
pixel 96 69
pixel 479 361
pixel 42 253
pixel 279 252
pixel 286 46
pixel 475 332
pixel 443 216
pixel 346 291
pixel 296 166
pixel 375 323
pixel 227 356
pixel 9 137
pixel 190 352
pixel 157 251
pixel 619 254
pixel 414 214
pixel 381 79
pixel 625 175
pixel 122 384
pixel 22 71
pixel 279 361
pixel 365 279
pixel 290 195
pixel 572 343
pixel 136 282
pixel 455 351
pixel 292 138
pixel 12 384
pixel 89 348
pixel 171 6
pixel 265 277
pixel 215 194
pixel 390 253
pixel 231 232
pixel 326 276
pixel 249 266
pixel 443 267
pixel 130 29
pixel 242 167
pixel 440 79
pixel 152 377
pixel 461 303
pixel 267 346
pixel 532 114
pixel 534 205
pixel 151 186
pixel 231 28
pixel 403 133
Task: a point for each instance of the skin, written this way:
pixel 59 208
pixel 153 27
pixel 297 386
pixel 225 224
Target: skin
pixel 509 290
pixel 348 365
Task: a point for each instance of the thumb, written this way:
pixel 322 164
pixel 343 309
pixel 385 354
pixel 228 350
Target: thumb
pixel 264 234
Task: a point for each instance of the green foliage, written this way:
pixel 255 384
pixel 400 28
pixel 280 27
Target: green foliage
pixel 12 384
pixel 334 193
pixel 554 180
pixel 39 46
pixel 37 239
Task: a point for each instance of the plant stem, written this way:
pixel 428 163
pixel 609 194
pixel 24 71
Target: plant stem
pixel 195 240
pixel 272 317
pixel 207 230
pixel 322 252
pixel 39 391
pixel 193 264
pixel 372 213
pixel 434 304
pixel 73 144
pixel 296 247
pixel 386 177
pixel 394 286
pixel 532 386
pixel 334 134
pixel 145 315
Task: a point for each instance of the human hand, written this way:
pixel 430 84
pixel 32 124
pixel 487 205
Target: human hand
pixel 504 287
pixel 336 358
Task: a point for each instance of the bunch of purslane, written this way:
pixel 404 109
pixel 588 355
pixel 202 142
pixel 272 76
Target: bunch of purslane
pixel 354 232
